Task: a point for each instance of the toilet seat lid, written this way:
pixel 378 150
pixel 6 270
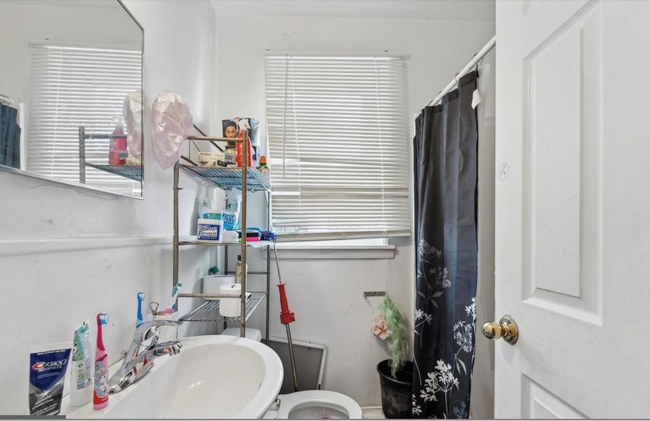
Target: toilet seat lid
pixel 317 398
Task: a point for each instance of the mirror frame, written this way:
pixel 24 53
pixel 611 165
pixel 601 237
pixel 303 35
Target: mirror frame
pixel 25 173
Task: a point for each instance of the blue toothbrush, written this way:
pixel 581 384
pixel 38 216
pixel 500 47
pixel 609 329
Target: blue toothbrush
pixel 140 318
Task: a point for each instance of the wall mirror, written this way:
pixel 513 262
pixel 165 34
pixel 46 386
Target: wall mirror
pixel 71 89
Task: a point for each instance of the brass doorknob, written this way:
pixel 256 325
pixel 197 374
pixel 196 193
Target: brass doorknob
pixel 506 329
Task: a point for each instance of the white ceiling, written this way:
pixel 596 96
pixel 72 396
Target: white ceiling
pixel 468 10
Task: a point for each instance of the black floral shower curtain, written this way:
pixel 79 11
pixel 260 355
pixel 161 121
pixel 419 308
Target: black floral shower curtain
pixel 445 153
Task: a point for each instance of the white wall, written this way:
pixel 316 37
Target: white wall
pixel 67 254
pixel 326 295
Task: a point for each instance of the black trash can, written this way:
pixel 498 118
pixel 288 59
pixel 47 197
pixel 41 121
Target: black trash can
pixel 396 394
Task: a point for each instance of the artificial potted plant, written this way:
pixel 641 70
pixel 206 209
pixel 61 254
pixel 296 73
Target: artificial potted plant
pixel 395 373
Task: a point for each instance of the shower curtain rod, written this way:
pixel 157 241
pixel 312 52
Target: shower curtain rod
pixel 477 57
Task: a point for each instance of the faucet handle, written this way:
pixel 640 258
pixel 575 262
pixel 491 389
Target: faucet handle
pixel 142 332
pixel 164 348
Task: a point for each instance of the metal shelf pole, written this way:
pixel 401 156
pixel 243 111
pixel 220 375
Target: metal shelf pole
pixel 225 272
pixel 244 201
pixel 175 252
pixel 268 267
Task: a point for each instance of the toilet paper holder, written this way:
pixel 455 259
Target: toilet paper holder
pixel 367 294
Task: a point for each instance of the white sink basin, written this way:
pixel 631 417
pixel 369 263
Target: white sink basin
pixel 212 377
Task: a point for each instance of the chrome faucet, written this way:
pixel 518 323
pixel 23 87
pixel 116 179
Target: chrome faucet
pixel 143 350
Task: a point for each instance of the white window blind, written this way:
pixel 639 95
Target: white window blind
pixel 337 143
pixel 74 87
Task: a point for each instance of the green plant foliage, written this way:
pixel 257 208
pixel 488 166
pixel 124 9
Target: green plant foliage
pixel 397 342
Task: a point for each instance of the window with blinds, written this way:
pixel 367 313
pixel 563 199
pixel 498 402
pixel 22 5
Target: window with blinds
pixel 74 87
pixel 338 146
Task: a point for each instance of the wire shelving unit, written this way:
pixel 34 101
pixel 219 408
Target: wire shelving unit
pixel 248 181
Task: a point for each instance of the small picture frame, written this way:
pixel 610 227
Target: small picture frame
pixel 229 129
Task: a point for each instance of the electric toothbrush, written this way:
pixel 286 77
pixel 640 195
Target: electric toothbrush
pixel 140 318
pixel 100 397
pixel 172 302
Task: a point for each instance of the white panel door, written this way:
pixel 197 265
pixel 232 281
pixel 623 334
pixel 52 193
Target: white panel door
pixel 573 208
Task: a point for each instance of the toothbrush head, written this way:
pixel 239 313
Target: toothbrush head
pixel 140 320
pixel 102 319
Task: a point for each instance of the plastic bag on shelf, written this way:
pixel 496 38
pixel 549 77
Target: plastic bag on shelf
pixel 171 126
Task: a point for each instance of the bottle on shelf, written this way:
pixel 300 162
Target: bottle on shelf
pixel 230 154
pixel 238 270
pixel 240 152
pixel 263 167
pixel 117 144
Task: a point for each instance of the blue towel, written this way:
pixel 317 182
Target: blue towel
pixel 9 137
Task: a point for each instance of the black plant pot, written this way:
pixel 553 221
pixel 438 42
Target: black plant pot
pixel 396 394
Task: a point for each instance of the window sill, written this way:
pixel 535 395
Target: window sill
pixel 358 252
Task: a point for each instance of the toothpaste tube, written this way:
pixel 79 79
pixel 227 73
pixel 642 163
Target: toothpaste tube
pixel 47 368
pixel 81 381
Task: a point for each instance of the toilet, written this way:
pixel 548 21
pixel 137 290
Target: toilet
pixel 314 405
pixel 308 404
